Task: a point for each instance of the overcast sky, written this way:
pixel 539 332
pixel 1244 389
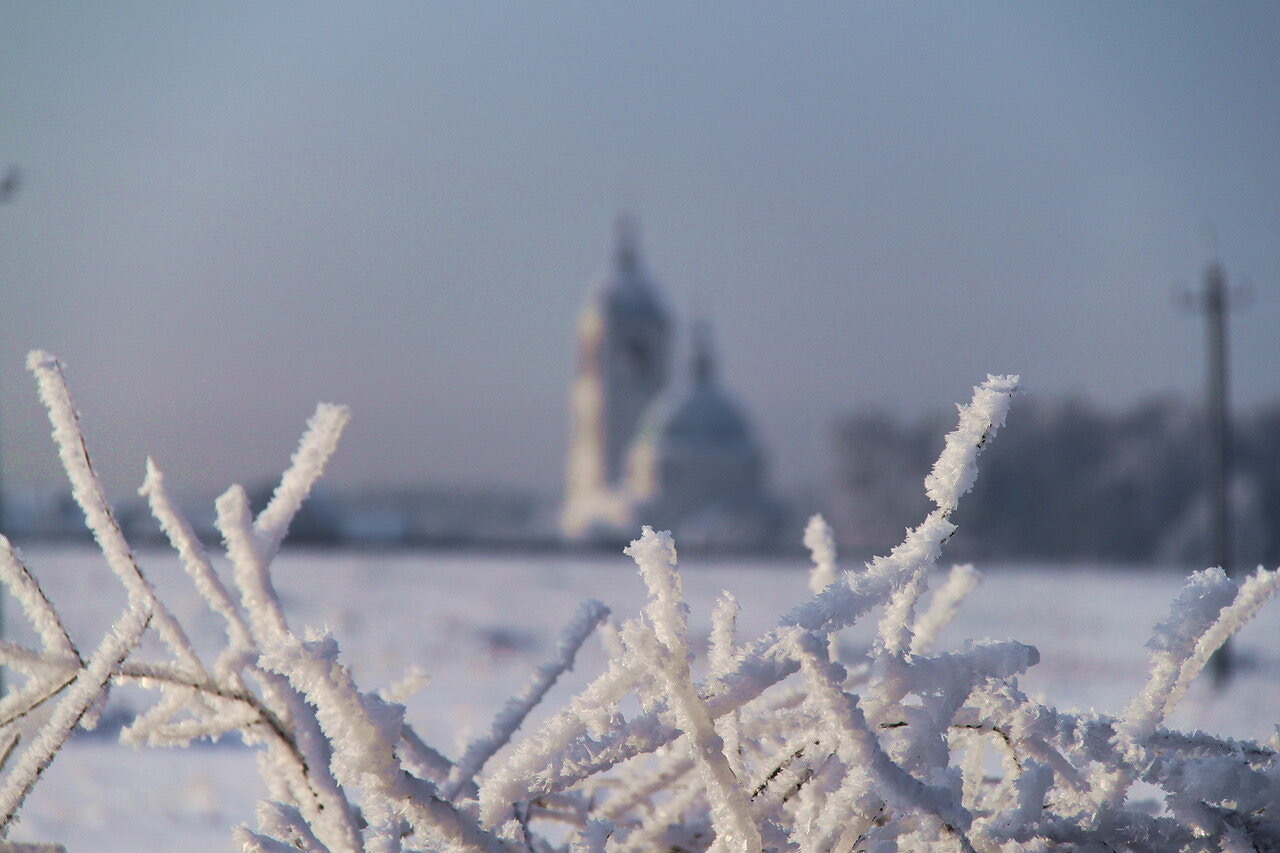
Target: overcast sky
pixel 230 211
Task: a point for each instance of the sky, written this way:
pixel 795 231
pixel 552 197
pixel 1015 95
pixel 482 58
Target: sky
pixel 232 211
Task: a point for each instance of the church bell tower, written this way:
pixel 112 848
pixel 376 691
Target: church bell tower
pixel 623 362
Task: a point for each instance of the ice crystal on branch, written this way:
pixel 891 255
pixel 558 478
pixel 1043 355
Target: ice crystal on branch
pixel 783 746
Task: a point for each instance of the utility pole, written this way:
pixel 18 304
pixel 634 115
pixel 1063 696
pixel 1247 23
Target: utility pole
pixel 1214 302
pixel 1219 437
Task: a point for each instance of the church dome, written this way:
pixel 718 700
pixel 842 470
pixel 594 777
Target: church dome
pixel 698 447
pixel 625 292
pixel 701 418
pixel 706 418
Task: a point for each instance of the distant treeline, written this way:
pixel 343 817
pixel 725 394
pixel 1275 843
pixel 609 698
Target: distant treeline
pixel 1066 480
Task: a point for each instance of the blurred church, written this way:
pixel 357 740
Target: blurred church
pixel 649 447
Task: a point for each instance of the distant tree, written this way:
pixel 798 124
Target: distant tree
pixel 1067 481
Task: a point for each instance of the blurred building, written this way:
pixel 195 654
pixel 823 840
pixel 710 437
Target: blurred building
pixel 643 449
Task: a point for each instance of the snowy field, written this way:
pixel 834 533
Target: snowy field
pixel 478 625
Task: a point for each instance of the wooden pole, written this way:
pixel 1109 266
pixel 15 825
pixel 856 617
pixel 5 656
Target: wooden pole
pixel 1218 467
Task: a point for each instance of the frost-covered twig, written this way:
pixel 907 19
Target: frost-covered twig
pixel 1254 592
pixel 721 652
pixel 251 562
pixel 314 450
pixel 88 493
pixel 363 732
pixel 194 559
pixel 35 603
pixel 588 617
pixel 956 469
pixel 946 601
pixel 85 690
pixel 729 808
pixel 821 543
pixel 858 746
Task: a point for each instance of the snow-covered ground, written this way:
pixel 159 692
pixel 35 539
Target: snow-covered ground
pixel 478 625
